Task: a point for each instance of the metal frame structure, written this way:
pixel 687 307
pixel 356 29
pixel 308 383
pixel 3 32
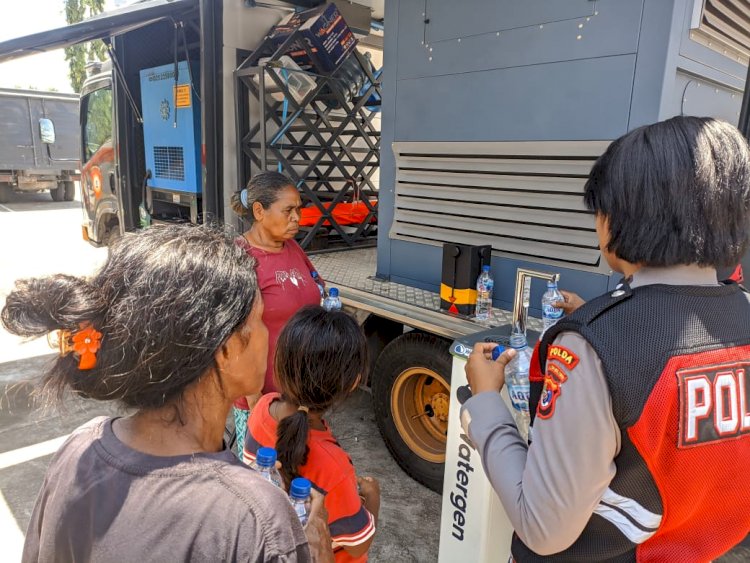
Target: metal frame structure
pixel 326 142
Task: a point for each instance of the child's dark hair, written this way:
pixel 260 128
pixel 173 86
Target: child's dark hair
pixel 264 188
pixel 320 356
pixel 165 301
pixel 675 192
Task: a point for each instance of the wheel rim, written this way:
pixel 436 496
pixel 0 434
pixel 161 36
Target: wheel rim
pixel 419 403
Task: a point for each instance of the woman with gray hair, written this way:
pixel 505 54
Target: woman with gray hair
pixel 170 328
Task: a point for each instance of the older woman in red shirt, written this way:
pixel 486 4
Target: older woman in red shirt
pixel 272 204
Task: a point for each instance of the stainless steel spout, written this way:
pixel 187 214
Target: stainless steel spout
pixel 522 293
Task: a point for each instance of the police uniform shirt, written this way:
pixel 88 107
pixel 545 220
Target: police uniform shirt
pixel 550 490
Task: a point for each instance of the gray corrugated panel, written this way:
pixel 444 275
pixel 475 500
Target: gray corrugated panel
pixel 533 251
pixel 351 271
pixel 464 217
pixel 494 164
pixel 544 200
pixel 530 183
pixel 590 149
pixel 724 26
pixel 524 198
pixel 502 209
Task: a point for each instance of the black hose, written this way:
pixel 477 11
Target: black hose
pixel 144 200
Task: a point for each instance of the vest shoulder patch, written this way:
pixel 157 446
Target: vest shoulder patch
pixel 553 380
pixel 562 355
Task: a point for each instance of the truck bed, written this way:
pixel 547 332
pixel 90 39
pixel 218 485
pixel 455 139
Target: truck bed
pixel 353 272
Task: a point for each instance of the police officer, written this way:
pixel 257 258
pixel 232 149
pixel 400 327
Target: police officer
pixel 641 408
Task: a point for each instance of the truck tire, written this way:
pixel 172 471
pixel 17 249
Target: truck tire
pixel 411 395
pixel 5 192
pixel 58 194
pixel 70 191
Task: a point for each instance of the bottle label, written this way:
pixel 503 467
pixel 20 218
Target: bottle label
pixel 551 312
pixel 519 396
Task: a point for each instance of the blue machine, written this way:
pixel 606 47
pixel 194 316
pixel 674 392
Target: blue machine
pixel 171 133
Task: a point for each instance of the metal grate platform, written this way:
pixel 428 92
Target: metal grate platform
pixel 353 271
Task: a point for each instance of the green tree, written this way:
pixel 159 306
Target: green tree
pixel 82 53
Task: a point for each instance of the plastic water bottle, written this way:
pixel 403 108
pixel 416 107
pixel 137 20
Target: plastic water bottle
pixel 332 302
pixel 550 313
pixel 265 464
pixel 517 381
pixel 485 285
pixel 299 494
pixel 319 283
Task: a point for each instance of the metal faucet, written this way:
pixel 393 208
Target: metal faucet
pixel 522 293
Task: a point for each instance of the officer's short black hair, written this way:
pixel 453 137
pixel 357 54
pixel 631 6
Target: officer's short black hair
pixel 675 192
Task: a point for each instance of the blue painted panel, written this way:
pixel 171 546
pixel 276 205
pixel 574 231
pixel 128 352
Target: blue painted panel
pixel 450 19
pixel 388 123
pixel 630 67
pixel 420 263
pixel 577 100
pixel 613 31
pixel 656 46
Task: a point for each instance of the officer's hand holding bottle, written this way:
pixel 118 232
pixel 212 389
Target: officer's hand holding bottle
pixel 482 372
pixel 571 303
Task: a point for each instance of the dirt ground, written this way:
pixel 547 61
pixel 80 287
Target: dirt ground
pixel 409 523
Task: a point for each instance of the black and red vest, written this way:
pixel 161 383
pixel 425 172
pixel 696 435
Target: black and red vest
pixel 677 362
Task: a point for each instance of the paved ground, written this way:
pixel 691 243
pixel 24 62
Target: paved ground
pixel 42 237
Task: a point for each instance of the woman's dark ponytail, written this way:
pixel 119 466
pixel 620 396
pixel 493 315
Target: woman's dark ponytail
pixel 38 306
pixel 291 444
pixel 163 304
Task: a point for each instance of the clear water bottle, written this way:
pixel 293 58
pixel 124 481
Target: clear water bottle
pixel 321 287
pixel 332 302
pixel 265 464
pixel 550 313
pixel 485 285
pixel 299 495
pixel 517 381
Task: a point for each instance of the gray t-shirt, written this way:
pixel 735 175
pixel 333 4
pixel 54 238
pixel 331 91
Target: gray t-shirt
pixel 102 501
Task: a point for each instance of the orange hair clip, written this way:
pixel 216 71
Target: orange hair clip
pixel 85 343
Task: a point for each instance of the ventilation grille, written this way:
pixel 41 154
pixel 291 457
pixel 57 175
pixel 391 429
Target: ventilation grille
pixel 523 198
pixel 724 26
pixel 169 163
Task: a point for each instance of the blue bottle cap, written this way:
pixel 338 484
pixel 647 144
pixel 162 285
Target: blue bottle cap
pixel 314 274
pixel 265 457
pixel 333 292
pixel 300 488
pixel 486 268
pixel 496 351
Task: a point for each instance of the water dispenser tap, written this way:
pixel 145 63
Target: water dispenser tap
pixel 521 296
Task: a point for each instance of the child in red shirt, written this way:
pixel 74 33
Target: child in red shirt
pixel 320 358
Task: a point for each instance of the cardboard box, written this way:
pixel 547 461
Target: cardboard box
pixel 326 33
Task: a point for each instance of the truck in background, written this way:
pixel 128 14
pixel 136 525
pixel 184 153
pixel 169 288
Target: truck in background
pixel 39 146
